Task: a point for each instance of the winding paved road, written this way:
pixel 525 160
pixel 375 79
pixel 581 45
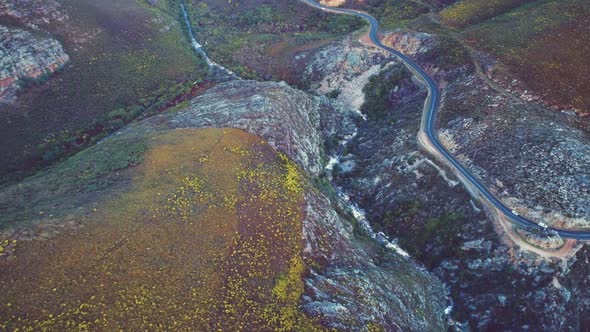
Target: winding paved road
pixel 431 106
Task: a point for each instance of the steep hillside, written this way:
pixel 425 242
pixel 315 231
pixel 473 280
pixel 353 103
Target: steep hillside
pixel 164 226
pixel 115 59
pixel 259 38
pixel 525 152
pixel 207 236
pixel 544 44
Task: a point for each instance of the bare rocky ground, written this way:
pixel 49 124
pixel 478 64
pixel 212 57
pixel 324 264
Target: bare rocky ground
pixel 353 283
pixel 33 13
pixel 26 57
pixel 529 155
pixel 532 158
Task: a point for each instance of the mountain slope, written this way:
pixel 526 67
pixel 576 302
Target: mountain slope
pixel 123 57
pixel 201 229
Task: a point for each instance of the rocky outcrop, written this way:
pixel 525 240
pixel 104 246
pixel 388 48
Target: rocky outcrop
pixel 411 198
pixel 33 13
pixel 360 284
pixel 353 283
pixel 345 67
pixel 292 121
pixel 409 42
pixel 25 57
pixel 525 153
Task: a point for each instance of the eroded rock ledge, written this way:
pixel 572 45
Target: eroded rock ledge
pixel 25 58
pixel 351 281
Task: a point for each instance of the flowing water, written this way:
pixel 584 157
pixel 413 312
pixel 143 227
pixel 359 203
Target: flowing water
pixel 357 212
pixel 199 48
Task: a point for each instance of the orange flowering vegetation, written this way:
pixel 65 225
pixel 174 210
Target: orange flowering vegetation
pixel 208 238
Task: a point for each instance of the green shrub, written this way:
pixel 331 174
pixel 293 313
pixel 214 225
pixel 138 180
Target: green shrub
pixel 334 93
pixel 262 14
pixel 378 91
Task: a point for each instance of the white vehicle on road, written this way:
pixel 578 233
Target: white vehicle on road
pixel 514 212
pixel 544 225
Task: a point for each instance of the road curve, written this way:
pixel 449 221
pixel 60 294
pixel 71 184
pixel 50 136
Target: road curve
pixel 431 106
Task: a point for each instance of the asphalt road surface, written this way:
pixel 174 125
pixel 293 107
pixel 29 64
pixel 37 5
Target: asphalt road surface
pixel 431 106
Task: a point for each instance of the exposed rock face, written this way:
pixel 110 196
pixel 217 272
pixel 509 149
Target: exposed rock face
pixel 410 43
pixel 340 61
pixel 344 66
pixel 289 119
pixel 547 178
pixel 353 283
pixel 32 12
pixel 24 56
pixel 408 196
pixel 347 65
pixel 376 282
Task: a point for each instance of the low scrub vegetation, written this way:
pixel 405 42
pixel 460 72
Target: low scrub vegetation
pixel 467 12
pixel 379 90
pixel 393 13
pixel 126 58
pixel 256 39
pixel 204 238
pixel 545 44
pixel 64 144
pixel 436 232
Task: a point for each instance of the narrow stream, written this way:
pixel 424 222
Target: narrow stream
pixel 357 212
pixel 360 215
pixel 199 48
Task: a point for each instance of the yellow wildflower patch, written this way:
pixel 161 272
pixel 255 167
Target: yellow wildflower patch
pixel 191 246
